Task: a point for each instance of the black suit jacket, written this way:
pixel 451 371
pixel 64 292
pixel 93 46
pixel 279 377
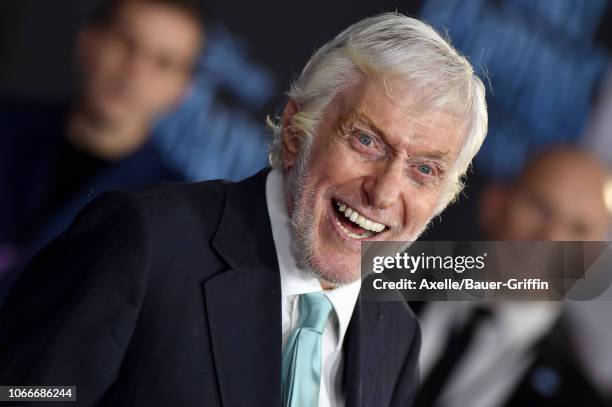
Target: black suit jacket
pixel 170 296
pixel 555 378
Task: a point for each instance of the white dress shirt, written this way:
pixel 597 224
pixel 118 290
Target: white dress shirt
pixel 296 281
pixel 498 356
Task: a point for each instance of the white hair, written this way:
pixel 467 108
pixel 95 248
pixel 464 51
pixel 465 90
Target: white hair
pixel 392 47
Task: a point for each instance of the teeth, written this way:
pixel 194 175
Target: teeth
pixel 355 235
pixel 356 217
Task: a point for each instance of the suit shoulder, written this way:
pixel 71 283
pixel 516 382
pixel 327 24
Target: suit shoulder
pixel 165 196
pixel 171 199
pixel 181 190
pixel 168 208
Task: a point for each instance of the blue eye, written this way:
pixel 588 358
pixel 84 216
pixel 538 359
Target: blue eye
pixel 425 169
pixel 365 139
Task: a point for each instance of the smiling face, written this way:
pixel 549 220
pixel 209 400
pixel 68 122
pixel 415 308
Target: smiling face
pixel 375 171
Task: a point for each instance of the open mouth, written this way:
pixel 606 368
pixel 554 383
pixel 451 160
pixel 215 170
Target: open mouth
pixel 354 224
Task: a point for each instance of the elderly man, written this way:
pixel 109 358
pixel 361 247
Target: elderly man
pixel 247 294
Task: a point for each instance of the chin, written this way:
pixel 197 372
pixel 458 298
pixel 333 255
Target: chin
pixel 336 268
pixel 110 113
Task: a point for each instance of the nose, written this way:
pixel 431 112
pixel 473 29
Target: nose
pixel 383 187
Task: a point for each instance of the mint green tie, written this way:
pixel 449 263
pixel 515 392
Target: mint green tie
pixel 302 355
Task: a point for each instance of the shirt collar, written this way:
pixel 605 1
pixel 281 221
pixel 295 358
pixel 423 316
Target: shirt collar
pixel 527 321
pixel 520 323
pixel 295 280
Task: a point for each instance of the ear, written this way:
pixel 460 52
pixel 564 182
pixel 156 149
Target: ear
pixel 492 208
pixel 290 137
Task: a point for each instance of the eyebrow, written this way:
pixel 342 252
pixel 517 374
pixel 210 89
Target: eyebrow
pixel 363 117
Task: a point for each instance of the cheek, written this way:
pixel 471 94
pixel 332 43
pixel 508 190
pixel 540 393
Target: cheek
pixel 333 166
pixel 419 205
pixel 168 90
pixel 333 160
pixel 522 219
pixel 109 59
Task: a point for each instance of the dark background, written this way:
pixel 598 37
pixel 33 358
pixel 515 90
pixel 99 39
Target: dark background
pixel 36 37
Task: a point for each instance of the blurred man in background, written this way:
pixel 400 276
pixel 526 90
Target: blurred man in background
pixel 558 197
pixel 521 353
pixel 135 59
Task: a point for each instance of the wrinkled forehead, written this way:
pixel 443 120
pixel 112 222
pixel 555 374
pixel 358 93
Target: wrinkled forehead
pixel 406 95
pixel 402 114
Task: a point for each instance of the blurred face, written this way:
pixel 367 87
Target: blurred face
pixel 559 199
pixel 138 64
pixel 376 169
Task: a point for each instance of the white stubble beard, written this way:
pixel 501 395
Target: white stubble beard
pixel 303 225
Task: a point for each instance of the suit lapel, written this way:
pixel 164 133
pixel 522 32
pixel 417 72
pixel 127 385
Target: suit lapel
pixel 244 311
pixel 353 359
pixel 244 303
pixel 363 347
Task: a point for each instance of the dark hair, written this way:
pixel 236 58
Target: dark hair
pixel 107 9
